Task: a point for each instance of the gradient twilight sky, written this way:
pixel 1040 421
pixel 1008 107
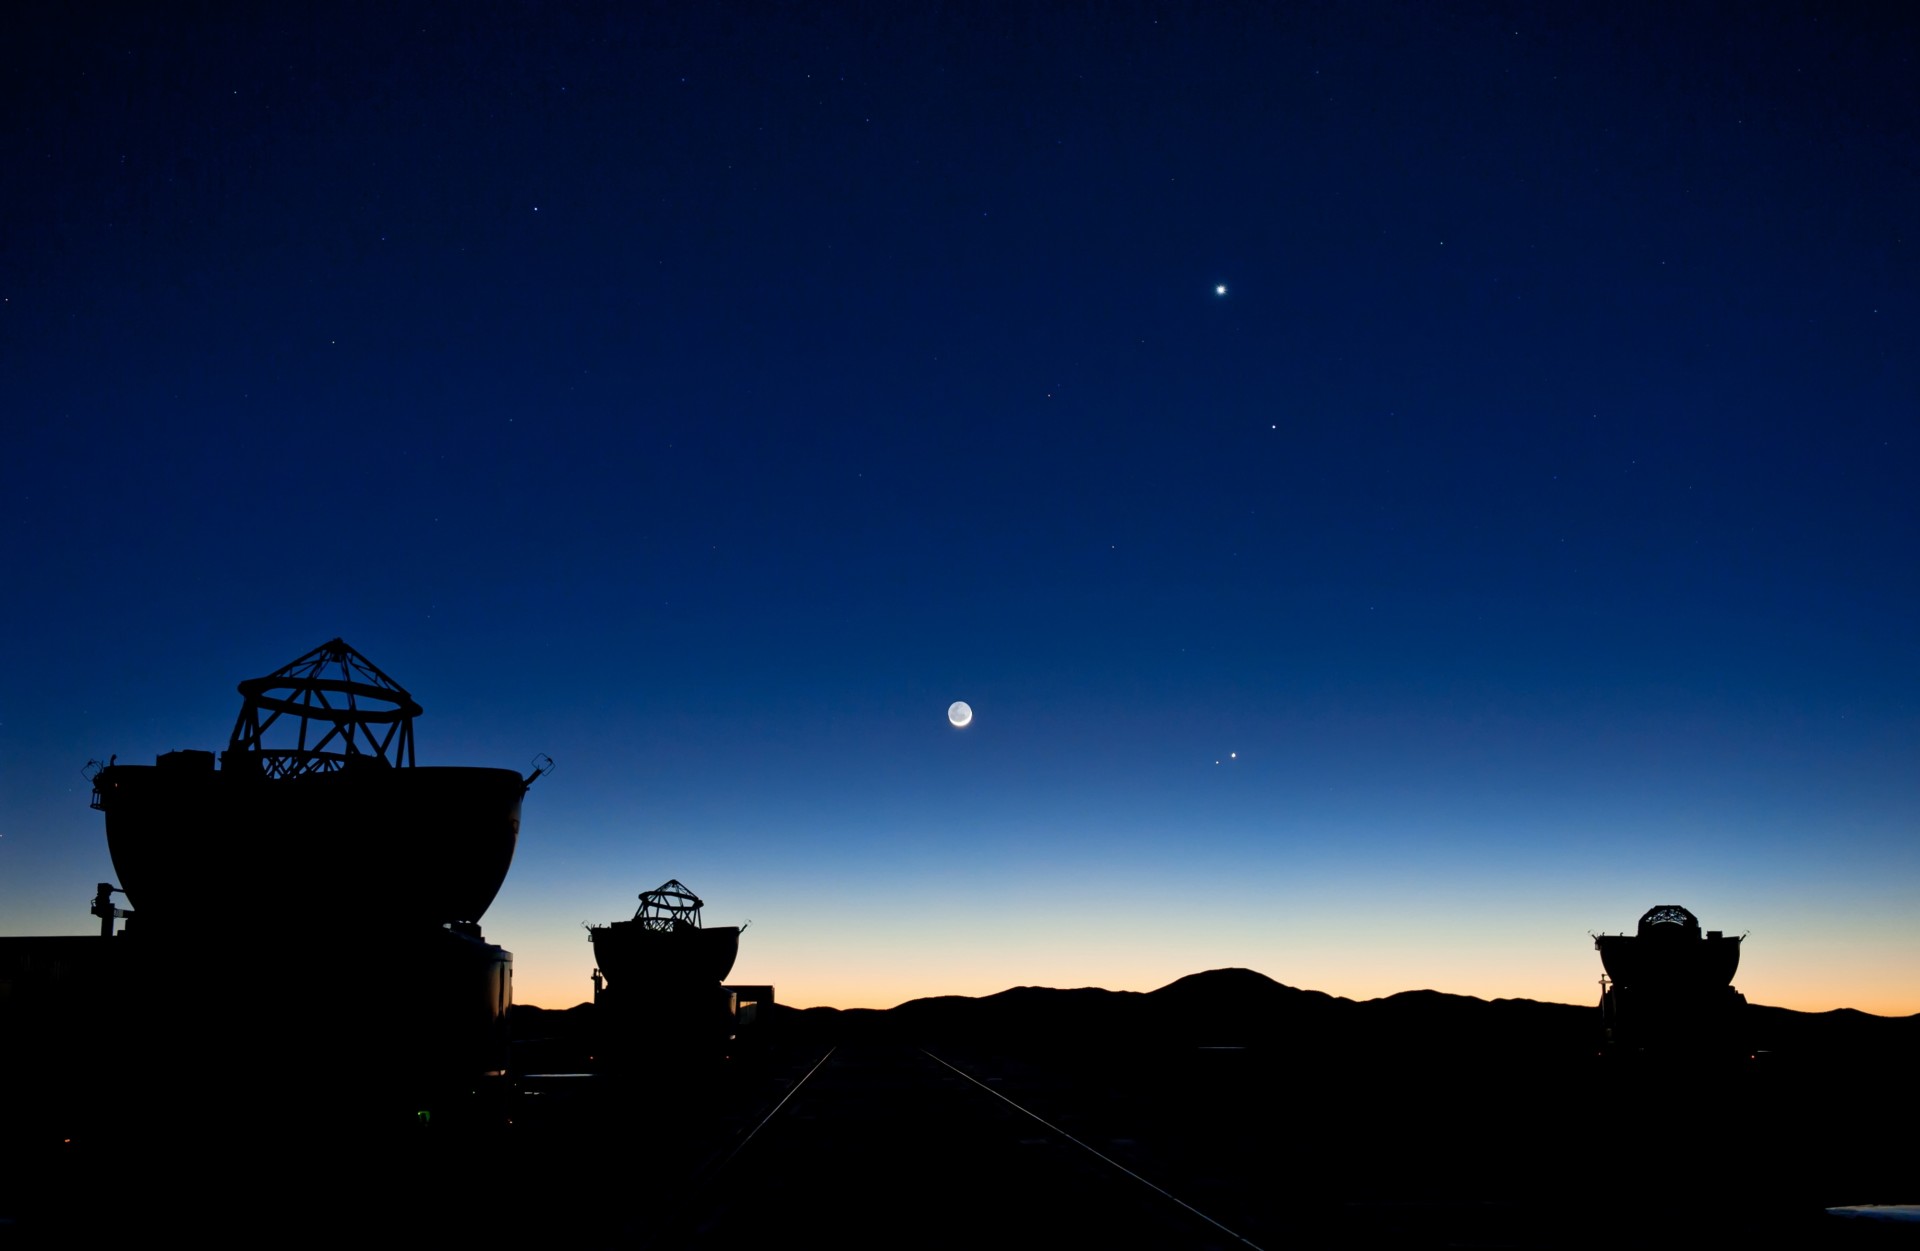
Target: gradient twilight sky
pixel 708 395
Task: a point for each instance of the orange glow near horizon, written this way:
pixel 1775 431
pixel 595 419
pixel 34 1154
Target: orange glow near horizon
pixel 799 990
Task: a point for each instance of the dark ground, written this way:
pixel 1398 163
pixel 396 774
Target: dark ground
pixel 1419 1130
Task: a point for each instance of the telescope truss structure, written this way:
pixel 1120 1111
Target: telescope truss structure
pixel 669 906
pixel 337 708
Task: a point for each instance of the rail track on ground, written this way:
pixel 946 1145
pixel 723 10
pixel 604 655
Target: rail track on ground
pixel 889 1144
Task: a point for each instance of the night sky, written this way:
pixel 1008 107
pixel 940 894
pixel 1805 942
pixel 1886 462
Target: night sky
pixel 709 395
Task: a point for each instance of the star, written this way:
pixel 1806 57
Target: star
pixel 1220 289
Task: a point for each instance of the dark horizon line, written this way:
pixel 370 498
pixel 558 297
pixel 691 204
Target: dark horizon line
pixel 1444 994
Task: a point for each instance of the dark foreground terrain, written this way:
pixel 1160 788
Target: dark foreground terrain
pixel 1223 1111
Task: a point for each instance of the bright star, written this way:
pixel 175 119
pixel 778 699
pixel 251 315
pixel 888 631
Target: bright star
pixel 1221 289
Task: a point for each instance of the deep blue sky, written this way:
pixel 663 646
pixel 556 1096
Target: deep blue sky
pixel 709 395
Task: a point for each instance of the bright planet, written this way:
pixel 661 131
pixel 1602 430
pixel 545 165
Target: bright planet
pixel 959 714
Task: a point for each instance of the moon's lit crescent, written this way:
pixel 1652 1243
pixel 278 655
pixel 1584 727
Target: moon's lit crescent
pixel 959 714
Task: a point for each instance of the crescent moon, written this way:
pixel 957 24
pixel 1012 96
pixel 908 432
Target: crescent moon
pixel 960 714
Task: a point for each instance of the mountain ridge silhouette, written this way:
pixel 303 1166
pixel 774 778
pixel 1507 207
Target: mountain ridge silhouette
pixel 1242 1007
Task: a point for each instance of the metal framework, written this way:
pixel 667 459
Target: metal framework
pixel 345 710
pixel 669 906
pixel 1668 914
